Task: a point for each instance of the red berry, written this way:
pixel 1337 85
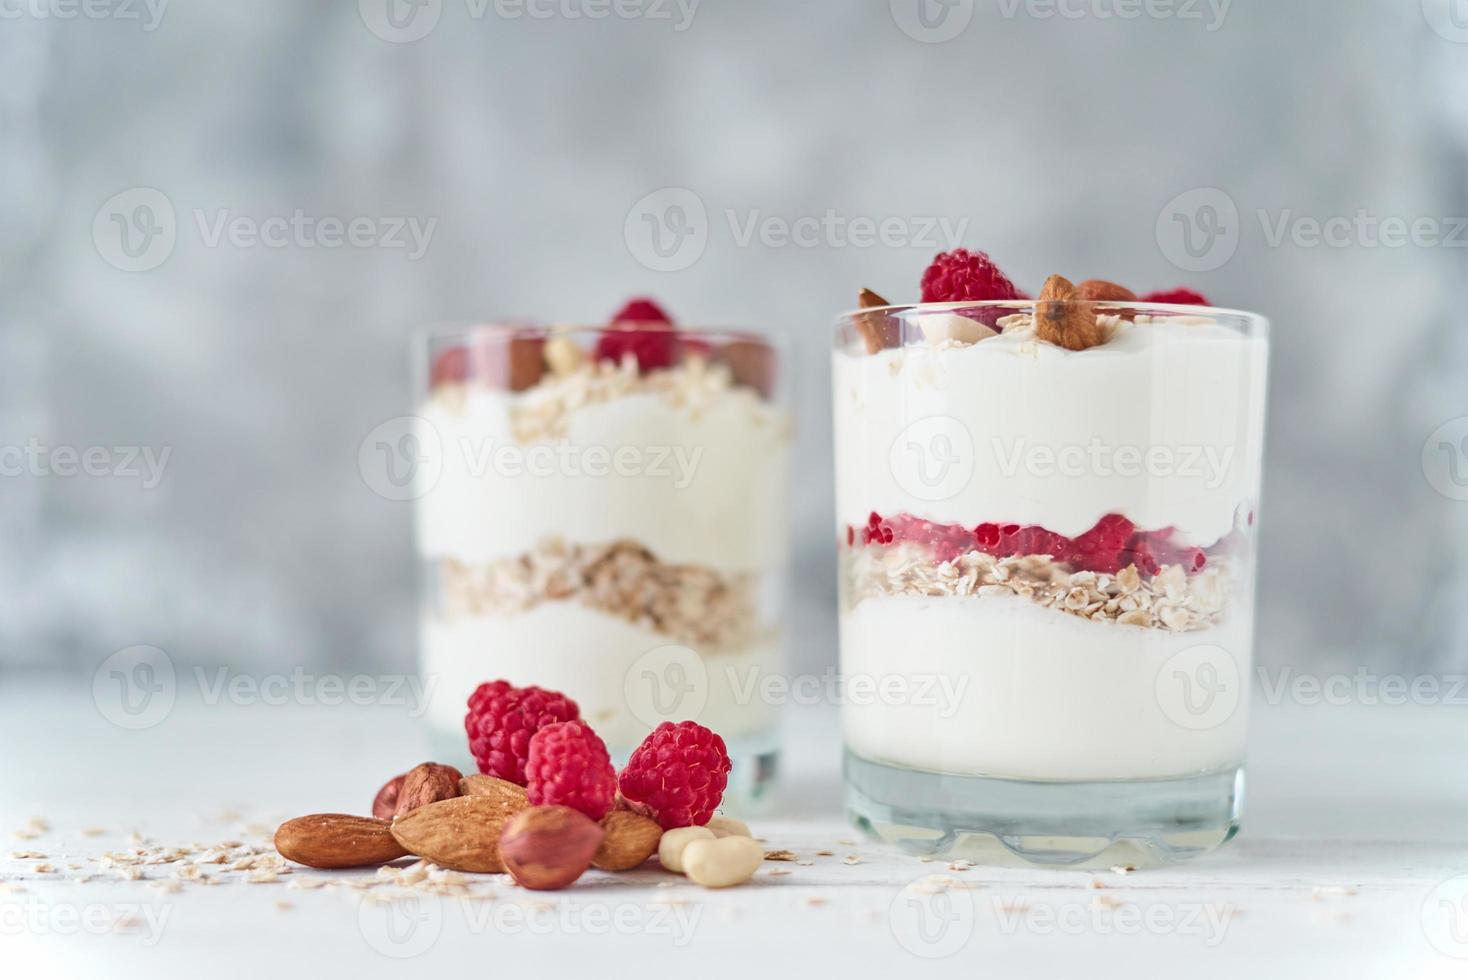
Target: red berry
pixel 643 330
pixel 642 310
pixel 501 720
pixel 450 366
pixel 678 773
pixel 1177 297
pixel 569 766
pixel 961 275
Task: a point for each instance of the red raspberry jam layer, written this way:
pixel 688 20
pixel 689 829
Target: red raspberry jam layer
pixel 1113 544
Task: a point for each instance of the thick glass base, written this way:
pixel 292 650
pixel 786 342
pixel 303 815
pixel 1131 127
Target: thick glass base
pixel 1136 823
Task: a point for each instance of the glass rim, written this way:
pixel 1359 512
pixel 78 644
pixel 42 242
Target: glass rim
pixel 429 334
pixel 1260 321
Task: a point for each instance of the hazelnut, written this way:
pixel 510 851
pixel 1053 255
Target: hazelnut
pixel 548 847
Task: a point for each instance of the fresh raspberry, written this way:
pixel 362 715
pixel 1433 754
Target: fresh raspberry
pixel 678 773
pixel 501 720
pixel 641 329
pixel 1177 297
pixel 961 275
pixel 569 766
pixel 450 366
pixel 642 310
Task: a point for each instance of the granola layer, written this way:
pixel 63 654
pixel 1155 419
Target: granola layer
pixel 687 603
pixel 1171 599
pixel 544 411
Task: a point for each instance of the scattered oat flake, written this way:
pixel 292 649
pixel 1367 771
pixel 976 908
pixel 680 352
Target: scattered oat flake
pixel 285 906
pixel 26 855
pixel 165 886
pixel 815 903
pixel 778 873
pixel 779 855
pixel 262 877
pixel 1105 902
pixel 806 864
pixel 44 869
pixel 847 843
pixel 1096 883
pixel 825 853
pixel 851 859
pixel 93 831
pixel 127 923
pixel 303 884
pixel 960 865
pixel 1123 869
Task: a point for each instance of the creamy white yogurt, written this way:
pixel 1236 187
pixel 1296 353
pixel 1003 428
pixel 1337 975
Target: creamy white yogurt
pixel 1163 424
pixel 703 488
pixel 1026 692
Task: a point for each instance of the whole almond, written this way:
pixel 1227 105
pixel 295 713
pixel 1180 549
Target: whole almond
pixel 462 834
pixel 878 330
pixel 337 840
pixel 427 783
pixel 385 804
pixel 1064 319
pixel 752 364
pixel 548 847
pixel 630 840
pixel 510 797
pixel 1101 290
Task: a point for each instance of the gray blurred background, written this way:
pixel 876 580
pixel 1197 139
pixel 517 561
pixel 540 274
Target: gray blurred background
pixel 537 140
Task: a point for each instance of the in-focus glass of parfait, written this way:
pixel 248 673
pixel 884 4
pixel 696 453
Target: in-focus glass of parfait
pixel 1047 514
pixel 609 521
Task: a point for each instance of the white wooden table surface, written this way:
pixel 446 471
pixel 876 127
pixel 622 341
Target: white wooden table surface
pixel 1356 833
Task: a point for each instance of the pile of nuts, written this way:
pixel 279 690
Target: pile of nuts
pixel 484 824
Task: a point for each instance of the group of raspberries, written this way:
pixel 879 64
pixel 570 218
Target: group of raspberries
pixel 962 276
pixel 536 738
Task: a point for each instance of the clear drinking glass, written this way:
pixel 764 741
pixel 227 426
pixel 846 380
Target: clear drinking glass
pixel 610 521
pixel 1047 575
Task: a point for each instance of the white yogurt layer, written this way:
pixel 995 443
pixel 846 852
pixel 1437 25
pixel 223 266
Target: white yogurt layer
pixel 1164 424
pixel 705 486
pixel 997 686
pixel 624 678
